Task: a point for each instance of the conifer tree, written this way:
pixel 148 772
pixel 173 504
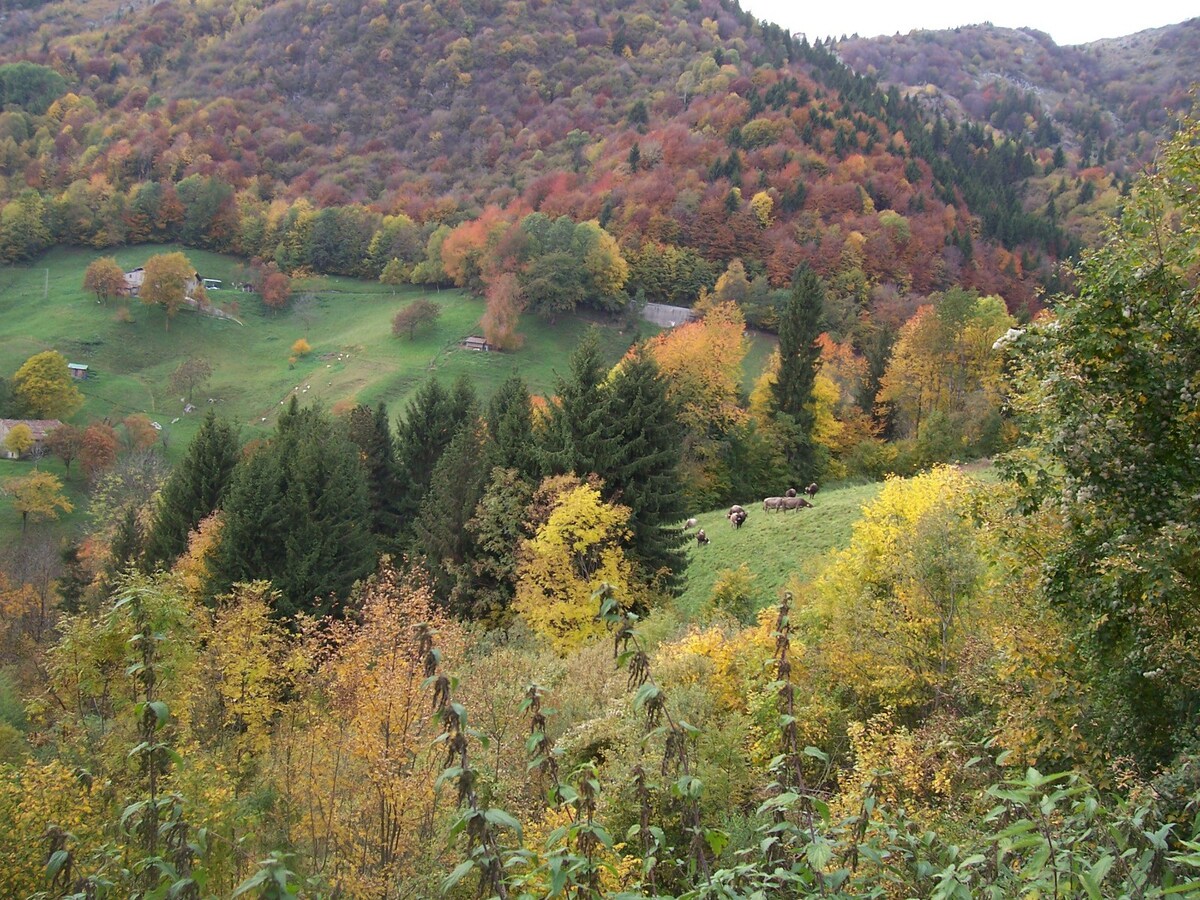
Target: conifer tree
pixel 646 440
pixel 127 544
pixel 455 489
pixel 193 491
pixel 510 425
pixel 296 513
pixel 576 439
pixel 369 431
pixel 799 328
pixel 431 420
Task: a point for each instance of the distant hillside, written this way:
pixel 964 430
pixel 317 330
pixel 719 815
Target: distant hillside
pixel 687 128
pixel 1106 102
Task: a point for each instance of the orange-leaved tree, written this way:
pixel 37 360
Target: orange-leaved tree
pixel 352 759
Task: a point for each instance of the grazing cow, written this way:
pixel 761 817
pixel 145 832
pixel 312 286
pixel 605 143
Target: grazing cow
pixel 737 517
pixel 790 492
pixel 701 538
pixel 775 503
pixel 796 503
pixel 811 490
pixel 689 524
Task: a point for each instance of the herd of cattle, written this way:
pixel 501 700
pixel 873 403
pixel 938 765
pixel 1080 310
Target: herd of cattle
pixel 737 515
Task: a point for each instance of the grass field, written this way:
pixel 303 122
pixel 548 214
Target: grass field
pixel 354 357
pixel 775 546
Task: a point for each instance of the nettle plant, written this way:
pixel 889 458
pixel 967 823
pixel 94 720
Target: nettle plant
pixel 1046 835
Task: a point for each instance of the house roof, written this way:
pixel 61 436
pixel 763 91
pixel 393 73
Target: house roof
pixel 39 427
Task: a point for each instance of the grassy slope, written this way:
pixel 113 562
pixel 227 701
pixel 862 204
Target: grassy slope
pixel 348 322
pixel 354 356
pixel 775 546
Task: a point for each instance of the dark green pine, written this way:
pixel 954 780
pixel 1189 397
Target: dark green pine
pixel 431 420
pixel 799 328
pixel 510 424
pixel 194 490
pixel 576 439
pixel 297 514
pixel 454 492
pixel 368 429
pixel 646 440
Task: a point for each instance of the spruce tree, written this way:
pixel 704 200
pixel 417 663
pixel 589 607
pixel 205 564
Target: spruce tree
pixel 127 545
pixel 799 328
pixel 646 440
pixel 368 429
pixel 194 490
pixel 297 514
pixel 576 438
pixel 510 425
pixel 454 491
pixel 431 420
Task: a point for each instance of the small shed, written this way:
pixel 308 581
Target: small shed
pixel 476 343
pixel 211 284
pixel 79 371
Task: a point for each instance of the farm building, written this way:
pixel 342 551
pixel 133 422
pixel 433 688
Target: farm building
pixel 476 343
pixel 39 428
pixel 135 278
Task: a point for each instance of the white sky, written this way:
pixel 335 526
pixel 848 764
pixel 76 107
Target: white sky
pixel 1067 22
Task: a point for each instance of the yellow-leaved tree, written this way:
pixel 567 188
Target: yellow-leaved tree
pixel 353 758
pixel 577 549
pixel 702 364
pixel 897 604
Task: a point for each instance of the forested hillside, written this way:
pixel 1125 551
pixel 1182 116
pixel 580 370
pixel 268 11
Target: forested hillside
pixel 692 133
pixel 1091 114
pixel 361 540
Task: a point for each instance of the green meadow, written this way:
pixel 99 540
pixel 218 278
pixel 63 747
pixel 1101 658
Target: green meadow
pixel 348 323
pixel 776 547
pixel 131 354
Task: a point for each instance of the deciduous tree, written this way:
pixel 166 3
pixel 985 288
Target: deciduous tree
pixel 38 494
pixel 104 278
pixel 276 290
pixel 193 372
pixel 168 278
pixel 418 314
pixel 394 273
pixel 1108 394
pixel 19 439
pixel 43 387
pixel 504 304
pixel 577 549
pixel 65 442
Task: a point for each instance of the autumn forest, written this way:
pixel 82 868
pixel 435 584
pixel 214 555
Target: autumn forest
pixel 545 449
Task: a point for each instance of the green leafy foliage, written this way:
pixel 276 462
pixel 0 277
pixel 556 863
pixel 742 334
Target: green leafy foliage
pixel 1108 390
